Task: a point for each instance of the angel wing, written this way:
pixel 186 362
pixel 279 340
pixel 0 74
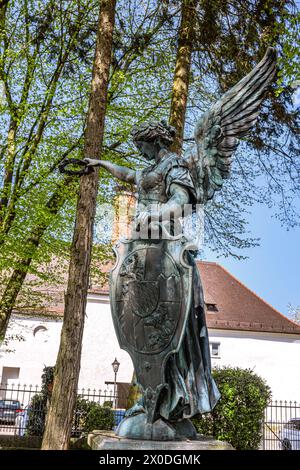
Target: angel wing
pixel 218 130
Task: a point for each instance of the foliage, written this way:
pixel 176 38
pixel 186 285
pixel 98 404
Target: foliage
pixel 46 52
pixel 294 313
pixel 41 125
pixel 90 415
pixel 45 72
pixel 289 31
pixel 231 36
pixel 238 416
pixel 10 341
pixel 47 380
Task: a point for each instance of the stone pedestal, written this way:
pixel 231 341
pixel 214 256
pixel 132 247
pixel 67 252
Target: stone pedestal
pixel 107 440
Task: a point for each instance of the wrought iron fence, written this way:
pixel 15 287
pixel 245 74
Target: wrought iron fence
pixel 281 428
pixel 23 409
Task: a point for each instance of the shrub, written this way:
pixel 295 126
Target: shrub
pixel 238 416
pixel 47 381
pixel 90 416
pixel 99 417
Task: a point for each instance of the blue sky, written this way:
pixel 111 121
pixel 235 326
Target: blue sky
pixel 272 269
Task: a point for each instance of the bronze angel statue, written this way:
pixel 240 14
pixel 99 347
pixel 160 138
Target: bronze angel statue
pixel 156 295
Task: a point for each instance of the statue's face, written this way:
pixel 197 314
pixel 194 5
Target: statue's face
pixel 147 149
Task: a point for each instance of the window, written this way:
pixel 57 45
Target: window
pixel 39 330
pixel 211 307
pixel 41 334
pixel 214 349
pixel 10 375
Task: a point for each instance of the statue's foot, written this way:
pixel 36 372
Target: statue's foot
pixel 137 426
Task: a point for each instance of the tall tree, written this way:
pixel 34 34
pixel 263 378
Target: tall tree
pixel 35 61
pixel 60 413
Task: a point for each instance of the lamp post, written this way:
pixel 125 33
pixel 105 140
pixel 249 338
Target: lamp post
pixel 115 366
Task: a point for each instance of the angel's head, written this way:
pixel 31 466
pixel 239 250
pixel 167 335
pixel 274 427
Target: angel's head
pixel 150 137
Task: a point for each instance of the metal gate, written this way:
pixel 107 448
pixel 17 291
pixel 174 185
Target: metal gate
pixel 281 427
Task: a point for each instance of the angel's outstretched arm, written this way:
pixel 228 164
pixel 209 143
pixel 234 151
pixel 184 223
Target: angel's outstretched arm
pixel 121 172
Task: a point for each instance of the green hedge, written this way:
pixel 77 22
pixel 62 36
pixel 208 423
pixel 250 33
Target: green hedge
pixel 238 416
pixel 90 416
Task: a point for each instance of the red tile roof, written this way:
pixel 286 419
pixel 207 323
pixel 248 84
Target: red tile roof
pixel 239 308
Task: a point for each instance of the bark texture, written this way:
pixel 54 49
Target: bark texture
pixel 182 71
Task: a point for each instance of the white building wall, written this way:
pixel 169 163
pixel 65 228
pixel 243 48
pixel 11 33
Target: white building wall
pixel 101 347
pixel 274 357
pixel 40 348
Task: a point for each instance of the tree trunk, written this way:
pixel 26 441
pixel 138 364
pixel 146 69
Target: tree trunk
pixel 10 294
pixel 182 71
pixel 60 413
pixel 18 275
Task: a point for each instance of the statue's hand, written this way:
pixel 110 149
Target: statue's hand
pixel 92 162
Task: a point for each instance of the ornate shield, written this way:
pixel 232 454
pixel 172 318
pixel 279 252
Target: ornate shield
pixel 150 293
